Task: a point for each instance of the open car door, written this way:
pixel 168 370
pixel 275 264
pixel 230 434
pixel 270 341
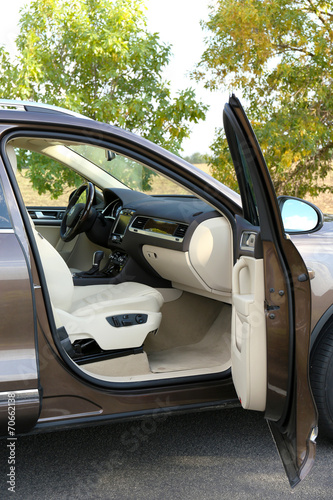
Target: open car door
pixel 271 308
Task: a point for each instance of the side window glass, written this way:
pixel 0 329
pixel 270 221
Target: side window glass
pixel 4 214
pixel 43 181
pixel 245 156
pixel 242 157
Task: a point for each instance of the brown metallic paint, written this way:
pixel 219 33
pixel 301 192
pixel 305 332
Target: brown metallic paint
pixel 277 327
pixel 299 417
pixel 66 395
pixel 317 252
pixel 62 388
pixel 301 413
pixel 18 364
pixel 306 412
pixel 60 382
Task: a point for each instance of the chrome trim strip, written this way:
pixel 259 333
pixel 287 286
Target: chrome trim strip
pixel 156 235
pixel 40 215
pixel 7 231
pixel 28 396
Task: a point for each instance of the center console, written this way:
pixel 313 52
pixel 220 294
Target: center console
pixel 120 227
pixel 94 276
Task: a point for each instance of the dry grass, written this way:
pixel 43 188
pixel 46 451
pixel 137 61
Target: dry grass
pixel 204 167
pixel 160 186
pixel 32 198
pixel 325 200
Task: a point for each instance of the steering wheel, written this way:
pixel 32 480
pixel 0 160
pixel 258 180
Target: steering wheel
pixel 77 214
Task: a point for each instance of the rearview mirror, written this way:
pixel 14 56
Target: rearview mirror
pixel 299 216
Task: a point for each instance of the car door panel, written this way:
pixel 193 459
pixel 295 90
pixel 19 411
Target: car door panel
pixel 46 214
pixel 20 399
pixel 19 381
pixel 47 221
pixel 286 301
pixel 301 413
pixel 78 252
pixel 248 338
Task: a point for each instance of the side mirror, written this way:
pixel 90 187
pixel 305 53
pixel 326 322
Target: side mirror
pixel 299 216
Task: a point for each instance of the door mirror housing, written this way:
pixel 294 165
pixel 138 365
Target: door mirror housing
pixel 299 216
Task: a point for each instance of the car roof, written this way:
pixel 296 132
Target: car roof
pixel 39 107
pixel 29 112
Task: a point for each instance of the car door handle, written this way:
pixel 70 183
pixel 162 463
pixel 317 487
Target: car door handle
pixel 41 215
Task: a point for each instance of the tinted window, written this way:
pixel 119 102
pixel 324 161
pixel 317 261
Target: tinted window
pixel 243 158
pixel 4 214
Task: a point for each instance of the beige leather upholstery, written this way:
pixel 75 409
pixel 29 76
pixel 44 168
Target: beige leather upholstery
pixel 248 333
pixel 12 157
pixel 205 268
pixel 83 310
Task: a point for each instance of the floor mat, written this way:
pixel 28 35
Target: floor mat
pixel 212 351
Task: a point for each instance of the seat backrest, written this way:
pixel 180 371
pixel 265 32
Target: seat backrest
pixel 58 277
pixel 12 157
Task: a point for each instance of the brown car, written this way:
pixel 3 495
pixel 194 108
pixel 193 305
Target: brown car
pixel 157 288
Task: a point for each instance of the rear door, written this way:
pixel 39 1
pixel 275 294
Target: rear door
pixel 271 308
pixel 20 391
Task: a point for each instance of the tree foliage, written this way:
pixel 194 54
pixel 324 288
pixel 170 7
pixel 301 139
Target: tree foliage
pixel 196 158
pixel 278 55
pixel 45 174
pixel 96 57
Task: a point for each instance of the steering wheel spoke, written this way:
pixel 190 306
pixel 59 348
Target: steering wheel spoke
pixel 77 214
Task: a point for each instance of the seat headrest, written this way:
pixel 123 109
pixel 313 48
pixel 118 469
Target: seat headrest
pixel 12 157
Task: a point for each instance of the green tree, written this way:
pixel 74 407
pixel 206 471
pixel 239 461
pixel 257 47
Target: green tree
pixel 196 158
pixel 96 57
pixel 278 55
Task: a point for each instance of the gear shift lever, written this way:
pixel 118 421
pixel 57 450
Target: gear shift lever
pixel 97 258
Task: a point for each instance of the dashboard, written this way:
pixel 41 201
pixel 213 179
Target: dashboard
pixel 180 240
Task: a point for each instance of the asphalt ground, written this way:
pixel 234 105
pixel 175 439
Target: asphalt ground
pixel 209 455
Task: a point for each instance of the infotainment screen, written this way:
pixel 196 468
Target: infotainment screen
pixel 123 221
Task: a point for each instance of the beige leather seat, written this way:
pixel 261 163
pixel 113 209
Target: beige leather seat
pixel 89 311
pixel 83 310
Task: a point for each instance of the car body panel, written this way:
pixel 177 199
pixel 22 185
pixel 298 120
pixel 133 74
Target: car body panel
pixel 317 252
pixel 19 369
pixel 80 403
pixel 287 296
pixel 66 397
pixel 88 128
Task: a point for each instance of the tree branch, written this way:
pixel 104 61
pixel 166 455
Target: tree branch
pixel 317 12
pixel 284 47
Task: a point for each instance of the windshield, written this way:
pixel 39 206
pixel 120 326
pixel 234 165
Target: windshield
pixel 134 175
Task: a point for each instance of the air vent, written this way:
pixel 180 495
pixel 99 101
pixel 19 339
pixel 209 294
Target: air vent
pixel 139 222
pixel 180 231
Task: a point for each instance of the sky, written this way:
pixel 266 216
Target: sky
pixel 178 23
